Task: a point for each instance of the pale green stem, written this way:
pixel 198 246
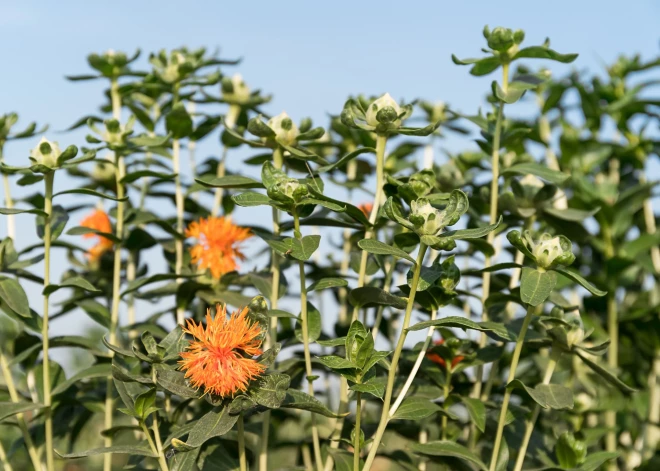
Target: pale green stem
pixel 379 197
pixel 391 377
pixel 116 299
pixel 20 418
pixel 48 413
pixel 494 194
pixel 423 438
pixel 613 351
pixel 445 391
pixel 9 202
pixel 507 393
pixel 162 464
pixel 241 443
pixel 179 202
pixel 531 421
pixel 3 458
pixel 356 439
pixel 351 171
pixel 305 335
pixel 652 430
pixel 271 338
pixel 230 122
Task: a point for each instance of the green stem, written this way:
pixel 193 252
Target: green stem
pixel 358 429
pixel 179 201
pixel 241 443
pixel 305 335
pixel 48 413
pixel 445 390
pixel 391 377
pixel 162 464
pixel 4 460
pixel 9 202
pixel 612 360
pixel 652 430
pixel 494 193
pixel 507 394
pixel 271 338
pixel 120 172
pixel 20 418
pixel 529 424
pixel 381 142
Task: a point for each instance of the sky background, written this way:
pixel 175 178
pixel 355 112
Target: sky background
pixel 309 55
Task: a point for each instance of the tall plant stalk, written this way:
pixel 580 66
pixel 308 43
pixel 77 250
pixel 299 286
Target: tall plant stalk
pixel 304 327
pixel 507 393
pixel 48 412
pixel 271 337
pixel 230 122
pixel 9 201
pixel 358 429
pixel 391 377
pixel 179 202
pixel 531 421
pixel 120 172
pixel 241 444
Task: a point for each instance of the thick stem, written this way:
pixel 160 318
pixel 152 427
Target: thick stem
pixel 529 424
pixel 48 413
pixel 9 202
pixel 20 418
pixel 271 338
pixel 179 202
pixel 613 361
pixel 358 429
pixel 241 444
pixel 507 394
pixel 162 464
pixel 423 438
pixel 305 335
pixel 652 431
pixel 379 197
pixel 4 460
pixel 391 377
pixel 494 193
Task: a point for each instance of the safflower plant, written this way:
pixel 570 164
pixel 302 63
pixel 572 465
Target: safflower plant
pixel 494 309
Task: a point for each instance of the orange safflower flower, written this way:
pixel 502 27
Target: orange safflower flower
pixel 366 208
pixel 435 358
pixel 217 247
pixel 219 358
pixel 98 220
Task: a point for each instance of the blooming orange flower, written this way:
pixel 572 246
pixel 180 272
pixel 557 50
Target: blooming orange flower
pixel 435 358
pixel 217 247
pixel 98 220
pixel 219 358
pixel 366 208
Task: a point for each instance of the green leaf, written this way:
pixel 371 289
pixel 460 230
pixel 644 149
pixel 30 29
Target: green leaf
pixel 576 277
pixel 302 249
pixel 463 323
pixel 175 382
pixel 376 389
pixel 595 460
pixel 142 450
pixel 325 283
pixel 137 284
pixel 335 362
pixel 99 370
pixel 541 171
pixel 213 424
pixel 251 198
pixel 86 191
pixel 448 448
pixel 73 282
pixel 178 122
pixel 476 233
pixel 345 159
pixel 477 411
pixel 8 211
pixel 97 311
pixel 8 409
pixel 606 375
pixel 416 408
pixel 570 214
pixel 314 324
pixel 133 176
pixel 80 230
pixel 427 276
pixel 548 396
pixel 13 295
pixel 299 400
pixel 271 390
pixel 380 248
pixel 343 460
pixel 536 286
pixel 369 296
pixel 229 181
pixel 541 52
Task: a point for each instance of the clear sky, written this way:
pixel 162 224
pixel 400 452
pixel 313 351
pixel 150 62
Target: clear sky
pixel 309 55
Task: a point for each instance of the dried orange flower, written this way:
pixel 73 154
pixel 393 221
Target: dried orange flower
pixel 217 247
pixel 219 358
pixel 435 358
pixel 99 221
pixel 366 208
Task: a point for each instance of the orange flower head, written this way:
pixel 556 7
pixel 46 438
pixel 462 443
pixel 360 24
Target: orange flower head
pixel 366 208
pixel 219 358
pixel 435 358
pixel 98 220
pixel 218 244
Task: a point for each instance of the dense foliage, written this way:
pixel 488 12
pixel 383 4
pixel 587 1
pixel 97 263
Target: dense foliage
pixel 526 267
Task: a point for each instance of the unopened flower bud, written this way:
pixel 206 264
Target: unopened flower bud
pixel 384 110
pixel 46 153
pixel 425 217
pixel 501 39
pixel 114 133
pixel 531 181
pixel 286 132
pixel 575 334
pixel 235 90
pixel 288 190
pixel 547 251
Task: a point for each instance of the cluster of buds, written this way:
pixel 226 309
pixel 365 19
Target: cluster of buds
pixel 47 156
pixel 419 185
pixel 280 130
pixel 286 131
pixel 288 191
pixel 175 66
pixel 235 91
pixel 548 251
pixel 504 41
pixel 111 64
pixel 426 219
pixel 115 135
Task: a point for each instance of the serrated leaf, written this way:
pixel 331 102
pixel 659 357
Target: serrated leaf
pixel 86 191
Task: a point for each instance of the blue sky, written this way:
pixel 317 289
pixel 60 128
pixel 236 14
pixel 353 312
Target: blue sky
pixel 309 55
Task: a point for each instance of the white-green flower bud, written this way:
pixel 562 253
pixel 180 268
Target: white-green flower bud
pixel 425 217
pixel 391 107
pixel 546 251
pixel 240 92
pixel 575 333
pixel 532 180
pixel 286 132
pixel 114 133
pixel 46 153
pixel 103 172
pixel 170 73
